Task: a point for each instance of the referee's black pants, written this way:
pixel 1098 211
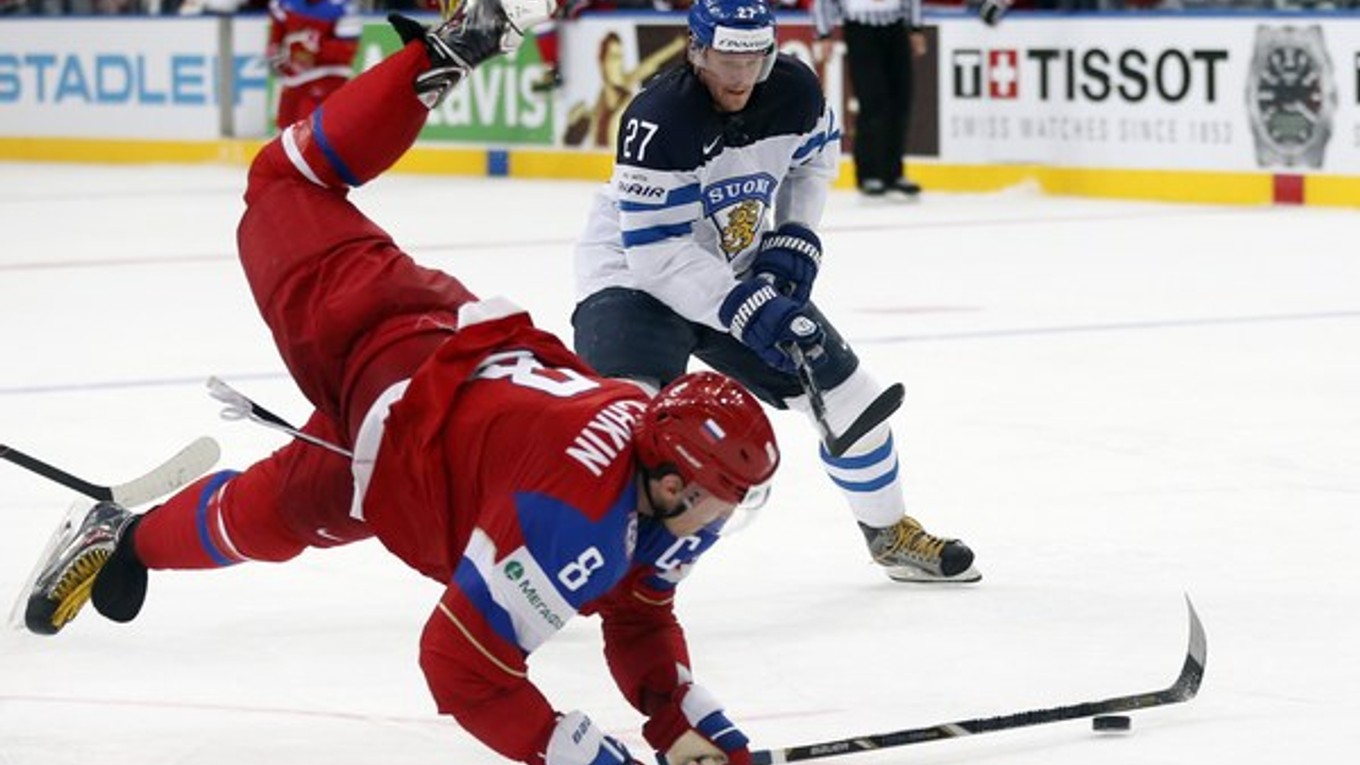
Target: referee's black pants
pixel 880 62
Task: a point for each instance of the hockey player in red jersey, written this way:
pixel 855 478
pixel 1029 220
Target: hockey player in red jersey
pixel 311 50
pixel 484 453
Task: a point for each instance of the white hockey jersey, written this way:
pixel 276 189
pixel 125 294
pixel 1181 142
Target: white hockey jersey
pixel 693 189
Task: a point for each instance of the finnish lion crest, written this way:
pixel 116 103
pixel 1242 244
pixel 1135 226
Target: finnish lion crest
pixel 739 232
pixel 737 208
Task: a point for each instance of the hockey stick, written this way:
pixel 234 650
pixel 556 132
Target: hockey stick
pixel 1183 689
pixel 189 463
pixel 879 409
pixel 241 407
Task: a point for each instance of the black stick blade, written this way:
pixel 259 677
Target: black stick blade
pixel 882 408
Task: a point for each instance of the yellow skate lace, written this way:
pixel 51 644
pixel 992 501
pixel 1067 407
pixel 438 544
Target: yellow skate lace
pixel 73 591
pixel 911 539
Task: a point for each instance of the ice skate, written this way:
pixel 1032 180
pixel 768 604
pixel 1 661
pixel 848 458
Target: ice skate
pixel 911 554
pixel 473 31
pixel 66 574
pixel 480 29
pixel 519 15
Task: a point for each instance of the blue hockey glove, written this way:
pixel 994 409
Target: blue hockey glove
pixel 757 315
pixel 693 729
pixel 578 741
pixel 991 11
pixel 791 255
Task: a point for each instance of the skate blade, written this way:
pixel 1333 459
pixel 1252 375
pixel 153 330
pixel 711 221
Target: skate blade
pixel 911 575
pixel 74 516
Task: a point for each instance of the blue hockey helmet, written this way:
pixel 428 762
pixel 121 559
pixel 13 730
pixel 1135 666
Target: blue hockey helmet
pixel 734 26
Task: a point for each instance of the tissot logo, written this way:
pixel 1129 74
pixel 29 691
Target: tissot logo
pixel 967 66
pixel 1003 73
pixel 1132 75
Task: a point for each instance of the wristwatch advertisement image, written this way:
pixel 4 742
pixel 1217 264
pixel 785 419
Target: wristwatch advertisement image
pixel 1291 96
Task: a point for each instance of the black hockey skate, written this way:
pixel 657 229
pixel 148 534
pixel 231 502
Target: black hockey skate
pixel 78 550
pixel 911 554
pixel 65 577
pixel 474 31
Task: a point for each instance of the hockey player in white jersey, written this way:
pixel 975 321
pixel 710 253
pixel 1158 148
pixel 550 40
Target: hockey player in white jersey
pixel 703 243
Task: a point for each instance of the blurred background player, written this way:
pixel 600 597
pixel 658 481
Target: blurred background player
pixel 882 40
pixel 703 243
pixel 311 50
pixel 484 454
pixel 545 39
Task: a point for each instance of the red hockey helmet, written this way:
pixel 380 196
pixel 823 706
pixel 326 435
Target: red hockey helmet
pixel 712 432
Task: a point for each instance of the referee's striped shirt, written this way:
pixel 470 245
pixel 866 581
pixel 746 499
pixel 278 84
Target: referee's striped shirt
pixel 826 14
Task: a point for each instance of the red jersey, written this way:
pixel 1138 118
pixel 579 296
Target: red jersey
pixel 506 471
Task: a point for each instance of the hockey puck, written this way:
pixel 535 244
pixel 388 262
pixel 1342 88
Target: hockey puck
pixel 1111 723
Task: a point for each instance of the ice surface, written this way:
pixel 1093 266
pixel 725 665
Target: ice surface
pixel 1113 403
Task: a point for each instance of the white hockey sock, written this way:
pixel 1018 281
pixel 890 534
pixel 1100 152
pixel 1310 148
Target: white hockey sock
pixel 867 474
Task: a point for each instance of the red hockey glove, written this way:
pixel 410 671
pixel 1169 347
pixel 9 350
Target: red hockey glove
pixel 693 729
pixel 277 58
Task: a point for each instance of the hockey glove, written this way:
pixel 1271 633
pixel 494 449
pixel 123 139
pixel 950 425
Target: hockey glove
pixel 693 729
pixel 764 320
pixel 578 741
pixel 283 62
pixel 991 11
pixel 791 256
